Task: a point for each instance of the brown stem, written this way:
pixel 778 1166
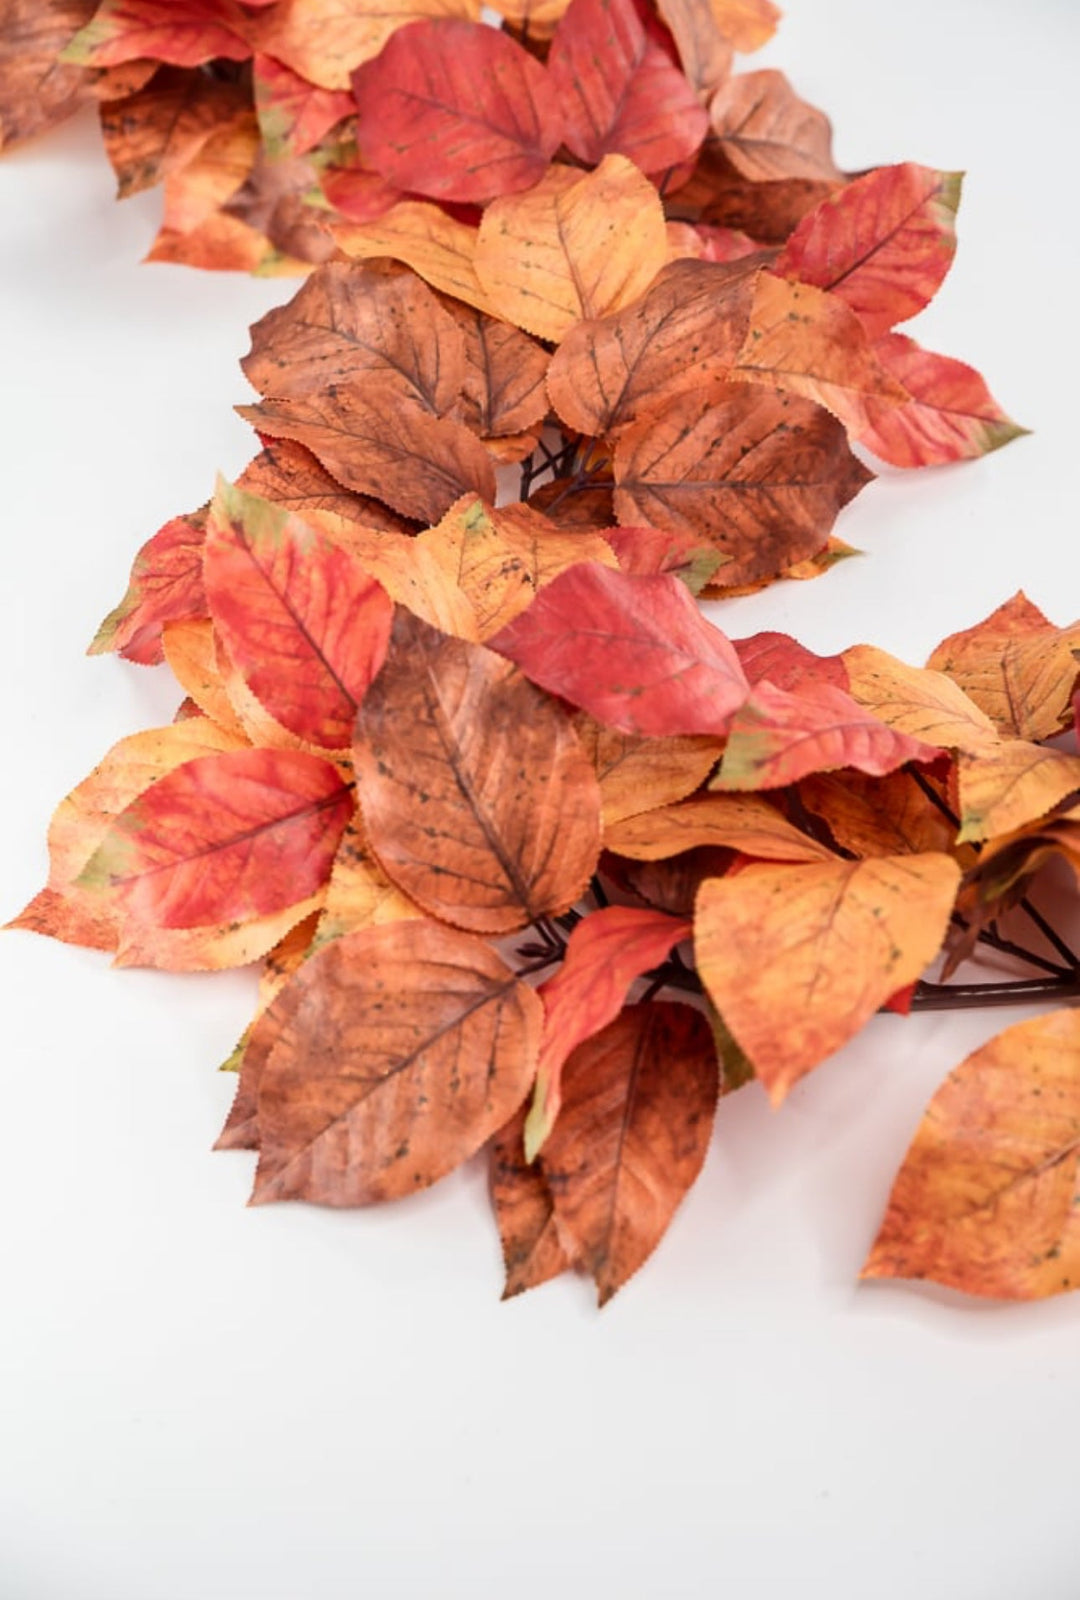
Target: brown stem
pixel 966 996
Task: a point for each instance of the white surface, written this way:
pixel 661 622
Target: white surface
pixel 203 1402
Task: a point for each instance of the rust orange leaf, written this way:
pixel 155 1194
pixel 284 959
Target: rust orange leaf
pixel 767 132
pixel 950 414
pixel 532 1250
pixel 746 823
pixel 1017 667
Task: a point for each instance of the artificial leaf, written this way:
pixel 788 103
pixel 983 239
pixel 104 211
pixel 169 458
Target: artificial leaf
pixel 809 342
pixel 359 894
pixel 353 323
pixel 883 243
pixel 798 957
pixel 199 189
pixel 786 663
pixel 746 823
pixel 400 453
pixel 606 952
pixel 191 652
pixel 878 816
pixel 611 370
pixel 620 92
pixel 324 41
pixel 637 1114
pixel 209 949
pixel 572 504
pixel 294 479
pixel 185 35
pixel 354 193
pixel 1017 667
pixel 294 114
pixel 160 128
pixel 925 704
pixel 532 1250
pixel 1012 785
pixel 500 558
pixel 641 774
pixel 760 475
pixel 457 111
pixel 717 195
pixel 635 653
pixel 397 1052
pixel 1003 869
pixel 304 623
pixel 705 49
pixel 437 246
pixel 166 585
pixel 224 244
pixel 223 838
pixel 671 885
pixel 778 736
pixel 650 550
pixel 574 245
pixel 987 1198
pixel 950 414
pixel 408 571
pixel 503 391
pixel 766 131
pixel 37 90
pixel 477 799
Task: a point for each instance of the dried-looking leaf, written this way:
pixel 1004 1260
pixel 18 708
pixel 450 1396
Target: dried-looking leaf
pixel 301 619
pixel 292 478
pixel 606 952
pixel 885 816
pixel 185 35
pixel 575 245
pixel 987 1199
pixel 397 1052
pixel 635 653
pixel 160 128
pixel 37 89
pixel 294 113
pixel 637 1114
pixel 359 894
pixel 883 244
pixel 166 585
pixel 747 823
pixel 532 1250
pixel 1017 667
pixel 925 704
pixel 504 391
pixel 1012 785
pixel 191 652
pixel 950 414
pixel 438 247
pixel 456 110
pixel 325 40
pixel 638 774
pixel 798 958
pixel 224 838
pixel 477 799
pixel 766 131
pixel 760 475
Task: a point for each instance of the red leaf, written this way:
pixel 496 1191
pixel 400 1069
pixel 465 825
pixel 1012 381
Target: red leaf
pixel 883 244
pixel 635 653
pixel 620 92
pixel 293 113
pixel 166 585
pixel 777 738
pixel 160 30
pixel 300 618
pixel 607 950
pixel 224 838
pixel 786 663
pixel 951 415
pixel 456 110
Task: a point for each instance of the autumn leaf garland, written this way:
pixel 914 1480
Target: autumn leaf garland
pixel 535 858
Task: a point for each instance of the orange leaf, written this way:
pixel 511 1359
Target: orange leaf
pixel 807 341
pixel 704 46
pixel 637 1114
pixel 396 1053
pixel 438 247
pixel 184 36
pixel 359 894
pixel 639 774
pixel 575 245
pixel 198 190
pixel 224 838
pixel 417 463
pixel 1012 785
pixel 761 476
pixel 606 952
pixel 884 816
pixel 300 618
pixel 477 799
pixel 525 1213
pixel 883 244
pixel 159 129
pixel 766 131
pixel 987 1199
pixel 746 823
pixel 504 391
pixel 926 705
pixel 609 371
pixel 292 478
pixel 325 40
pixel 797 958
pixel 1017 667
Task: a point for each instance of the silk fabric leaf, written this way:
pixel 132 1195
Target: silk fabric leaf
pixel 439 247
pixel 158 30
pixel 637 1114
pixel 294 114
pixel 762 476
pixel 635 653
pixel 525 1213
pixel 324 41
pixel 878 816
pixel 988 1197
pixel 37 90
pixel 398 1052
pixel 166 585
pixel 606 951
pixel 1012 785
pixel 155 131
pixel 746 823
pixel 767 132
pixel 289 475
pixel 925 704
pixel 301 619
pixel 503 391
pixel 798 958
pixel 457 111
pixel 223 838
pixel 950 414
pixel 477 799
pixel 574 245
pixel 1017 667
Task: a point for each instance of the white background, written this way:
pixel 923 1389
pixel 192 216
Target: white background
pixel 204 1402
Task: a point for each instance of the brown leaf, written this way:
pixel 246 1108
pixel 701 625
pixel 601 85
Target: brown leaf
pixel 747 823
pixel 504 392
pixel 762 476
pixel 417 463
pixel 574 245
pixel 155 132
pixel 797 958
pixel 641 774
pixel 884 816
pixel 609 371
pixel 532 1250
pixel 633 1133
pixel 477 799
pixel 293 478
pixel 987 1197
pixel 37 90
pixel 766 131
pixel 397 1052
